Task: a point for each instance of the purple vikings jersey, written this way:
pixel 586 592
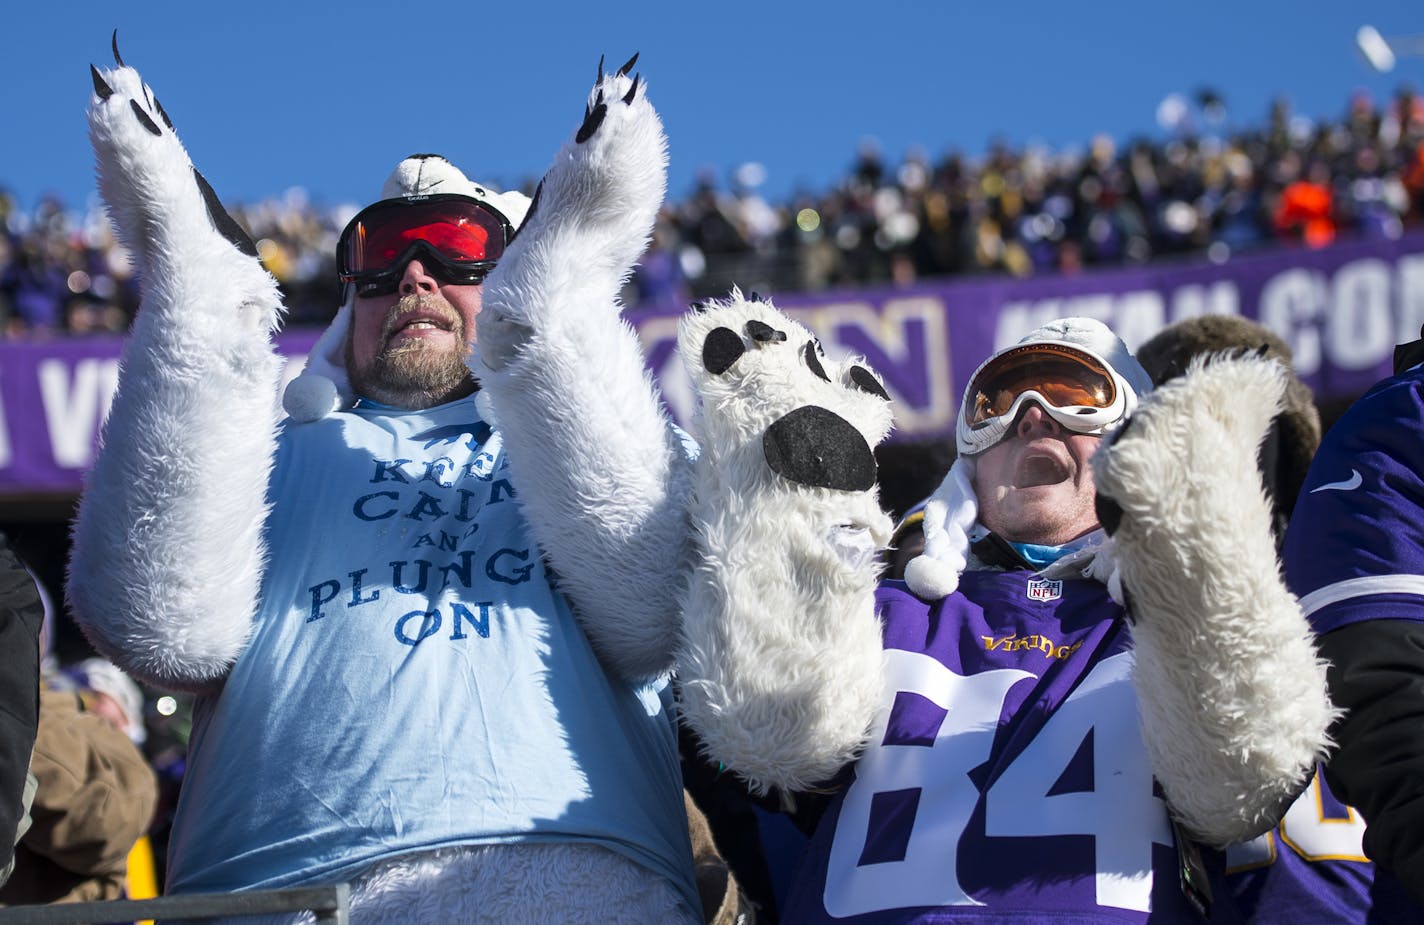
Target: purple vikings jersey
pixel 1355 547
pixel 1312 868
pixel 1007 780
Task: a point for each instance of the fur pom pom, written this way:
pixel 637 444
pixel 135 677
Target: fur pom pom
pixel 323 386
pixel 310 397
pixel 949 516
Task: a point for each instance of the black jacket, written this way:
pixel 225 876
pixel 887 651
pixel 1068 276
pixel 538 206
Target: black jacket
pixel 21 612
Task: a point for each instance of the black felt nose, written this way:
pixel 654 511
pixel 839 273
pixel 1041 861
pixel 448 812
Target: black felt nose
pixel 816 447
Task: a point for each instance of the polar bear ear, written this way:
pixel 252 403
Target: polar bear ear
pixel 323 385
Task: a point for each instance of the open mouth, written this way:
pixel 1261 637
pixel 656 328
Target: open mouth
pixel 418 324
pixel 1039 470
pixel 422 325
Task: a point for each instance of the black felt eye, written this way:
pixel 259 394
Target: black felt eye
pixel 862 379
pixel 813 361
pixel 764 333
pixel 816 447
pixel 721 349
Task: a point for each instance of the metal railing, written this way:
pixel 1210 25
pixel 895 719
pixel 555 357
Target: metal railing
pixel 330 903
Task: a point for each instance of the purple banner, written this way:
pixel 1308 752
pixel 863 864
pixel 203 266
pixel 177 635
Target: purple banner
pixel 54 395
pixel 1341 310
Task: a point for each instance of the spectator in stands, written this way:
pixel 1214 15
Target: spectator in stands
pixel 94 799
pixel 107 692
pixel 392 689
pixel 919 723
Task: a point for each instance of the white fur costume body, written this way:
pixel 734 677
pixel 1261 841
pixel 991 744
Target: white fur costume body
pixel 1232 695
pixel 554 355
pixel 168 545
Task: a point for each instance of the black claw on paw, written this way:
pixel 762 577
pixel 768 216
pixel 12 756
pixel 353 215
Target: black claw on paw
pixel 862 379
pixel 163 114
pixel 226 225
pixel 627 67
pixel 813 361
pixel 763 333
pixel 598 78
pixel 632 91
pixel 816 447
pixel 114 43
pixel 591 123
pixel 755 297
pixel 720 350
pixel 101 87
pixel 144 119
pixel 1109 513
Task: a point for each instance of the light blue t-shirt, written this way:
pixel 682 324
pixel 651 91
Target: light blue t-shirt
pixel 412 680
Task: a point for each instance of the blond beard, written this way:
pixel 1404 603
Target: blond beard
pixel 414 374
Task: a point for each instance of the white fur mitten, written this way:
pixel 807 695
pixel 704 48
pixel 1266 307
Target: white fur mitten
pixel 781 664
pixel 168 543
pixel 1233 699
pixel 602 474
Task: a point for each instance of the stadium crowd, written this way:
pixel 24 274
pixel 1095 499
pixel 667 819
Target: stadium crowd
pixel 1018 211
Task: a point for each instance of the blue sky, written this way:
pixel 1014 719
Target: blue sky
pixel 329 96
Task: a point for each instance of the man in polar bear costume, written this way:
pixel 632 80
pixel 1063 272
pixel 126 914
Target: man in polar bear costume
pixel 393 687
pixel 1046 724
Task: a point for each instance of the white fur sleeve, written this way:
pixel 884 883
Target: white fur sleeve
pixel 1232 693
pixel 782 661
pixel 601 473
pixel 167 546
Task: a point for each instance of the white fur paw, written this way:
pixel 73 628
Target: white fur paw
pixel 613 172
pixel 145 173
pixel 763 377
pixel 1193 435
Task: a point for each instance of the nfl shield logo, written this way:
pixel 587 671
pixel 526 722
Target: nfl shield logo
pixel 1043 589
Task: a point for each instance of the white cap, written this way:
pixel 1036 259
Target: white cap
pixel 323 386
pixel 103 677
pixel 431 174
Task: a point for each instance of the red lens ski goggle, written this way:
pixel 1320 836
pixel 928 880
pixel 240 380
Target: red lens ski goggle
pixel 463 237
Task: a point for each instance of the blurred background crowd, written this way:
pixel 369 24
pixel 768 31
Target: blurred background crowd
pixel 1202 191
